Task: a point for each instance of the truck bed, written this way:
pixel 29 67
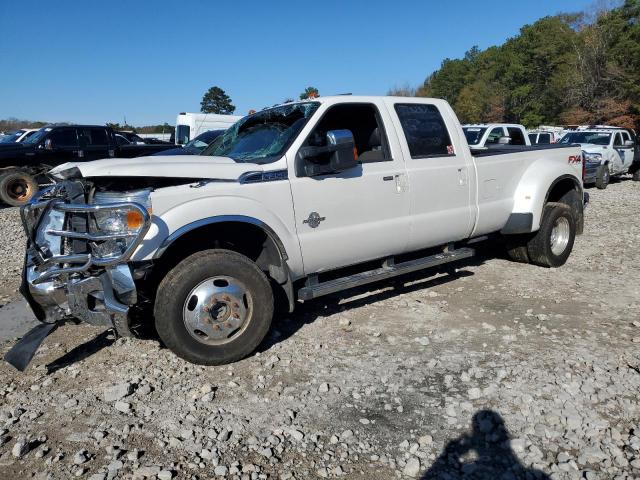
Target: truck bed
pixel 504 149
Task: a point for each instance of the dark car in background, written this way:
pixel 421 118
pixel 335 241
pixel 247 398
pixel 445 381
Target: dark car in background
pixel 195 146
pixel 23 165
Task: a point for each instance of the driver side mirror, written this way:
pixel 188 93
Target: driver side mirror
pixel 504 141
pixel 628 143
pixel 336 156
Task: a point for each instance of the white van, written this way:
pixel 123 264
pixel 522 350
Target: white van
pixel 190 125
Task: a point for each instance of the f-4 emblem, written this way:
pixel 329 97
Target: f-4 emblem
pixel 314 219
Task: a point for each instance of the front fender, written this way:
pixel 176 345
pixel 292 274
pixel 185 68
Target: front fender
pixel 207 208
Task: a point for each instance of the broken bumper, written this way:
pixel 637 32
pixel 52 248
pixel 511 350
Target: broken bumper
pixel 65 276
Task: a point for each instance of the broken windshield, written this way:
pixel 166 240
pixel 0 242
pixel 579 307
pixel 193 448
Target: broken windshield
pixel 264 136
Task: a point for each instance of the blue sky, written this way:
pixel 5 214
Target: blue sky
pixel 92 61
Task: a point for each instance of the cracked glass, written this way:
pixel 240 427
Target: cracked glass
pixel 264 136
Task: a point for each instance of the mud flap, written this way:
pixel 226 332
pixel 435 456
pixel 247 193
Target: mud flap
pixel 23 351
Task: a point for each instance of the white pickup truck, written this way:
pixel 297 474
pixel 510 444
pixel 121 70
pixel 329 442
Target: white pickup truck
pixel 293 202
pixel 608 152
pixel 490 135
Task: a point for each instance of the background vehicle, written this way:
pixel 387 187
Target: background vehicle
pixel 190 125
pixel 23 165
pixel 293 202
pixel 195 146
pixel 17 136
pixel 544 137
pixel 608 153
pixel 130 137
pixel 489 135
pixel 125 138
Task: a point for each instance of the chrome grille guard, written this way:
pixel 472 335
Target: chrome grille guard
pixel 52 265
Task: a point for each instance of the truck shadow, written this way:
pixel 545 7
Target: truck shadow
pixel 484 454
pixel 286 325
pixel 82 351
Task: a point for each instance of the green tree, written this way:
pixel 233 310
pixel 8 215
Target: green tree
pixel 309 92
pixel 215 100
pixel 569 68
pixel 124 127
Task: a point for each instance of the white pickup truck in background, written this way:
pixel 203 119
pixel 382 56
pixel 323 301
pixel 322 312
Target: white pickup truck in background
pixel 293 202
pixel 608 152
pixel 488 135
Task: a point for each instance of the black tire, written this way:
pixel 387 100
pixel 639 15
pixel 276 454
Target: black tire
pixel 17 188
pixel 177 288
pixel 636 175
pixel 517 248
pixel 603 177
pixel 541 244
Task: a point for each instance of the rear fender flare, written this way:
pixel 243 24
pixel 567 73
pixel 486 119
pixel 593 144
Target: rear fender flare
pixel 533 190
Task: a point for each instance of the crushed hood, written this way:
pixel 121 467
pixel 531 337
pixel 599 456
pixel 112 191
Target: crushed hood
pixel 174 166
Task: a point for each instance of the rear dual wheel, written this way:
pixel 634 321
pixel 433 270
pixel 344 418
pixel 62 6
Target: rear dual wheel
pixel 552 244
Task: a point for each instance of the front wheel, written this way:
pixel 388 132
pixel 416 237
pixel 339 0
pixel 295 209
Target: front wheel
pixel 553 242
pixel 214 307
pixel 636 175
pixel 603 177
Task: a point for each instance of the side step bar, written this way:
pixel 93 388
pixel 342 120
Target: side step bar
pixel 389 269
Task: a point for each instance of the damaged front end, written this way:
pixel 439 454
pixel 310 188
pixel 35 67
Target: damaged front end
pixel 79 242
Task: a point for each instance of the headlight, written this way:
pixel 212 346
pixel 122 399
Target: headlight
pixel 51 220
pixel 592 157
pixel 124 223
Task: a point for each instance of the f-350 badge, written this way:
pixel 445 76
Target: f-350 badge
pixel 314 219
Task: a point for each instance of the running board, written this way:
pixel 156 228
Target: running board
pixel 389 269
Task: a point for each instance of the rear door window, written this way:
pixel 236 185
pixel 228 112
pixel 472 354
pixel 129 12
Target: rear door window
pixel 424 130
pixel 98 137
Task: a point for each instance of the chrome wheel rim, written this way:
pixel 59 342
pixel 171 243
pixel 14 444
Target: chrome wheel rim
pixel 560 235
pixel 217 310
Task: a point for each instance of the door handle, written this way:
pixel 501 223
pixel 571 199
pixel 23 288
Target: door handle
pixel 388 178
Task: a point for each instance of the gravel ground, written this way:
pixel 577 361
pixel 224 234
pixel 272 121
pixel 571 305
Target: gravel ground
pixel 501 371
pixel 12 242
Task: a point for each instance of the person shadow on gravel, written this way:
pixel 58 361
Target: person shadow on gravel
pixel 483 455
